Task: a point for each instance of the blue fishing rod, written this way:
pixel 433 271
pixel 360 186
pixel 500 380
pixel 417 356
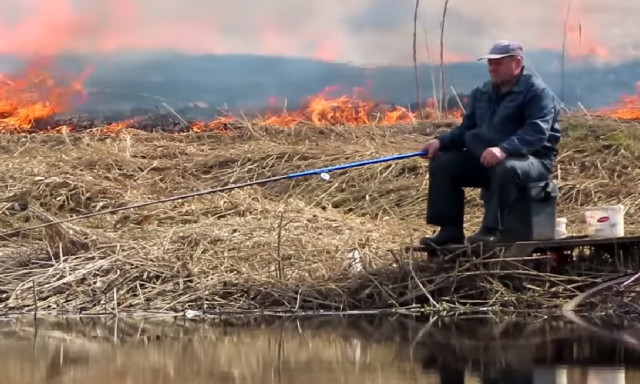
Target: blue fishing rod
pixel 323 172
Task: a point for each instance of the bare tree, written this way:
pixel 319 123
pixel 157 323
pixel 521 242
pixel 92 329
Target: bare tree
pixel 443 102
pixel 564 45
pixel 415 58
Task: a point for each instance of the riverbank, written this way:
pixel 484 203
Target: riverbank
pixel 285 246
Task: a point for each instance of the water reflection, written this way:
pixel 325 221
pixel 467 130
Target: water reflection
pixel 322 350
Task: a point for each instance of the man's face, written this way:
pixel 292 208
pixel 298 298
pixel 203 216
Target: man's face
pixel 505 69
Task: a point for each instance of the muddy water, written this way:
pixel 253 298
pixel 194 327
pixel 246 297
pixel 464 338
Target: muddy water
pixel 324 350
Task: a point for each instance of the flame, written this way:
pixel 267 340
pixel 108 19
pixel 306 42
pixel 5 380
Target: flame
pixel 322 110
pixel 221 124
pixel 30 100
pixel 628 108
pixel 34 95
pixel 115 128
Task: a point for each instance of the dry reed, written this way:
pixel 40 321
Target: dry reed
pixel 282 246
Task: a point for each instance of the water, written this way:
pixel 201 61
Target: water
pixel 321 350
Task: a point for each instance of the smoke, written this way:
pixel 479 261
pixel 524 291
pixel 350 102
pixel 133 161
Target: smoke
pixel 142 52
pixel 360 31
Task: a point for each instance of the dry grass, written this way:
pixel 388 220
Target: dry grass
pixel 279 246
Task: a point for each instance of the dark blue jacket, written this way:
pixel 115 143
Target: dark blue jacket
pixel 522 121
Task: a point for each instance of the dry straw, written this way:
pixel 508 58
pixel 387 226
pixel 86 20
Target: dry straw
pixel 281 247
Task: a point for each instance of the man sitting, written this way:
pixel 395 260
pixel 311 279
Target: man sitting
pixel 507 139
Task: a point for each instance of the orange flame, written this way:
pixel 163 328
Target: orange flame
pixel 323 110
pixel 628 108
pixel 34 95
pixel 115 128
pixel 221 124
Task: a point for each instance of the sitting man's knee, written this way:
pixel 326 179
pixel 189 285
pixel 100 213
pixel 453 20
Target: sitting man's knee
pixel 507 169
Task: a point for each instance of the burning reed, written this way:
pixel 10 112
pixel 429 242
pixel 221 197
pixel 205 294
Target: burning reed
pixel 285 246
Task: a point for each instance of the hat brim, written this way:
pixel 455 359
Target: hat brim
pixel 496 56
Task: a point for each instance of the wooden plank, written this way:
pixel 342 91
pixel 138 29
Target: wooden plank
pixel 529 246
pixel 582 241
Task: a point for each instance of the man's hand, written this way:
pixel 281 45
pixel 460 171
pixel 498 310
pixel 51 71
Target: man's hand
pixel 492 156
pixel 431 147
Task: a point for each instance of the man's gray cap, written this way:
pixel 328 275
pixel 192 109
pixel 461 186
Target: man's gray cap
pixel 504 48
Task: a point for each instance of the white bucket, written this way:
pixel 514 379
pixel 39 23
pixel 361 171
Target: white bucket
pixel 605 221
pixel 561 227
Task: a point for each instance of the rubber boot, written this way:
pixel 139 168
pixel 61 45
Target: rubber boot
pixel 485 236
pixel 445 236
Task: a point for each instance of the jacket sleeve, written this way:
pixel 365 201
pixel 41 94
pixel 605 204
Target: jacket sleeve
pixel 454 138
pixel 540 113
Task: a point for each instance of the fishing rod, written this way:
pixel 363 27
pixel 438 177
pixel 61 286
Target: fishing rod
pixel 323 172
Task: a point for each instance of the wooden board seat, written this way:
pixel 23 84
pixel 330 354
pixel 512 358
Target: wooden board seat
pixel 527 247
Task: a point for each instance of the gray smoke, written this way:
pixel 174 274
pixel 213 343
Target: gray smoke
pixel 241 53
pixel 373 32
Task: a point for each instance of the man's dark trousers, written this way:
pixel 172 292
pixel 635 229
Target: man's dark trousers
pixel 451 171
